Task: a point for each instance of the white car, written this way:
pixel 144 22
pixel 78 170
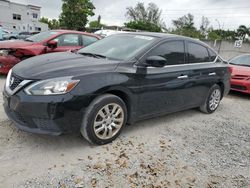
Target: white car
pixel 106 33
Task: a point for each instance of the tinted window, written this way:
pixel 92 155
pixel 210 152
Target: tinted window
pixel 67 40
pixel 172 51
pixel 212 54
pixel 197 53
pixel 87 40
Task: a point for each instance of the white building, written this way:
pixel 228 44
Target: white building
pixel 20 17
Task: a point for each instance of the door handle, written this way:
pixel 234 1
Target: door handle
pixel 212 74
pixel 182 76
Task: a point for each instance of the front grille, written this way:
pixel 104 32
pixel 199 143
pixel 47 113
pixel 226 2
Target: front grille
pixel 14 82
pixel 19 117
pixel 243 88
pixel 45 124
pixel 239 77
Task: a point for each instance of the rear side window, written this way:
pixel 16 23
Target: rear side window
pixel 87 40
pixel 212 54
pixel 172 51
pixel 197 53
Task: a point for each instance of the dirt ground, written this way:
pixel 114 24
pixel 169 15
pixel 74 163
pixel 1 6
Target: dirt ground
pixel 185 149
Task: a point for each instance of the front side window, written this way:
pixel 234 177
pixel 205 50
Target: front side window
pixel 67 40
pixel 172 51
pixel 87 40
pixel 197 53
pixel 119 47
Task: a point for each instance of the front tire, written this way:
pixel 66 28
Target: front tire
pixel 212 101
pixel 13 38
pixel 104 119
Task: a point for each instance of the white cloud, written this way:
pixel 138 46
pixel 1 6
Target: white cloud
pixel 229 13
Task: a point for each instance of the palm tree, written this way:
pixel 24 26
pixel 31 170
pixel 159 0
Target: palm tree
pixel 243 31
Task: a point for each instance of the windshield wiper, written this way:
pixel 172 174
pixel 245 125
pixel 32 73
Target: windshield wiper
pixel 93 55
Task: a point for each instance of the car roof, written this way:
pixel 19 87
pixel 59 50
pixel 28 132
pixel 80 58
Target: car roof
pixel 168 36
pixel 61 31
pixel 158 35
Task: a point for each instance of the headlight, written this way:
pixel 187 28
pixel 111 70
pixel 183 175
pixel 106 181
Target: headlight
pixel 56 86
pixel 4 52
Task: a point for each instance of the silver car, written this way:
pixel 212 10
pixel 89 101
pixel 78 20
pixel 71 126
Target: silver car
pixel 14 36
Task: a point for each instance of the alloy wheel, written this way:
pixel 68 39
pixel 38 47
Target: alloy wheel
pixel 215 99
pixel 108 121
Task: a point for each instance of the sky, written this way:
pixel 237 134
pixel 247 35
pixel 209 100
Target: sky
pixel 225 14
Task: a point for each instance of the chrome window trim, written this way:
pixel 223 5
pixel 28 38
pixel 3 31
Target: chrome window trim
pixel 7 84
pixel 186 64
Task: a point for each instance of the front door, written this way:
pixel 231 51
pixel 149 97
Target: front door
pixel 66 42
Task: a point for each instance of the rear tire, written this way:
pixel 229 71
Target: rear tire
pixel 13 38
pixel 212 101
pixel 104 119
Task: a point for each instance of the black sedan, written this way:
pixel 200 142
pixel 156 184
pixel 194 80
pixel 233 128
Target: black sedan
pixel 113 82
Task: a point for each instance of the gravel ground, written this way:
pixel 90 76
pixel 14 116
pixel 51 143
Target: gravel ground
pixel 185 149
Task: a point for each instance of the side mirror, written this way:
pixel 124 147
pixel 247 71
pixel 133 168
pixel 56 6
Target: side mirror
pixel 156 61
pixel 52 44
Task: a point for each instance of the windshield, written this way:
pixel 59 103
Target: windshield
pixel 41 36
pixel 241 60
pixel 119 47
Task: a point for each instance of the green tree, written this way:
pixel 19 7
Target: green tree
pixel 143 26
pixel 96 23
pixel 220 34
pixel 44 20
pixel 185 26
pixel 204 27
pixel 53 24
pixel 144 18
pixel 75 13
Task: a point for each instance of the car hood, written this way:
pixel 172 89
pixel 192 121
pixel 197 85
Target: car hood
pixel 14 44
pixel 61 64
pixel 240 70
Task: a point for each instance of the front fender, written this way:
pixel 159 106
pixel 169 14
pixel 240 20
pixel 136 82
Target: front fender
pixel 98 83
pixel 30 51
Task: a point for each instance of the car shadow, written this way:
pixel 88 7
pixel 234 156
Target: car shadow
pixel 2 76
pixel 75 140
pixel 241 95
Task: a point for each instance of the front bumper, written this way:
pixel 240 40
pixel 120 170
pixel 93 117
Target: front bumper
pixel 51 115
pixel 240 85
pixel 7 62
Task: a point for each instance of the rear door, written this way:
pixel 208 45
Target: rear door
pixel 169 88
pixel 204 72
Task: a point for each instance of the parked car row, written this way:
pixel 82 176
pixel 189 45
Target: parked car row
pixel 115 81
pixel 13 52
pixel 19 35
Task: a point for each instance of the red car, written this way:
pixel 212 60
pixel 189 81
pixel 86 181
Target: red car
pixel 12 52
pixel 240 67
